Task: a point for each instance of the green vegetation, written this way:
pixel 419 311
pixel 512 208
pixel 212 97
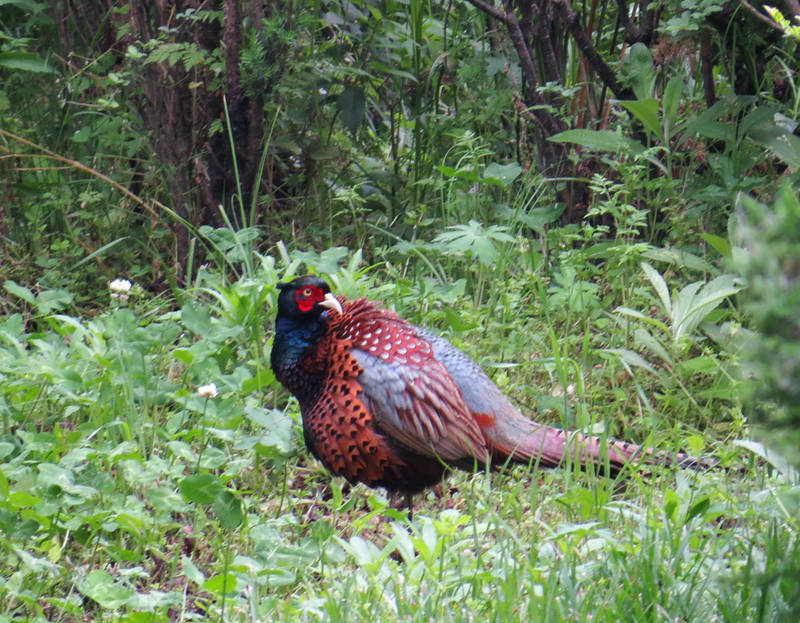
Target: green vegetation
pixel 609 224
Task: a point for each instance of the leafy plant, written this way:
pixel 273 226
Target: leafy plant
pixel 766 255
pixel 668 345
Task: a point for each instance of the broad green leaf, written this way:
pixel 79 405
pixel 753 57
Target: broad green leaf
pixel 182 450
pixel 22 499
pixel 132 524
pixel 646 339
pixel 446 170
pixel 646 111
pixel 671 99
pixel 639 65
pixel 634 313
pixel 599 140
pixel 693 303
pixel 275 428
pixel 456 321
pixel 228 509
pixel 364 552
pixel 183 355
pixel 6 449
pixel 702 365
pixel 165 500
pixel 51 300
pixel 780 141
pixel 51 475
pixel 696 444
pixel 221 584
pixel 17 290
pixel 680 257
pixel 200 488
pixel 502 174
pixel 719 244
pixel 4 488
pixel 263 378
pixel 710 123
pixel 25 61
pixel 473 238
pixel 196 318
pixel 467 174
pixel 682 306
pixel 760 116
pixel 191 571
pixel 538 218
pixel 698 508
pixel 671 505
pixel 632 358
pixel 101 587
pixel 660 286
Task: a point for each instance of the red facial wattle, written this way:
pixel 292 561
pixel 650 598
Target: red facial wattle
pixel 307 297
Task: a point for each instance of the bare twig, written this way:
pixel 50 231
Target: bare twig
pixel 587 48
pixel 487 8
pixel 759 15
pixel 46 153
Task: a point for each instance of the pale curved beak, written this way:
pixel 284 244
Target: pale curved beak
pixel 331 302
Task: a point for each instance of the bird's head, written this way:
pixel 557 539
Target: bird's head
pixel 305 298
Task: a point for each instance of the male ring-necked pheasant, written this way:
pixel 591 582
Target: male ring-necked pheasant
pixel 390 404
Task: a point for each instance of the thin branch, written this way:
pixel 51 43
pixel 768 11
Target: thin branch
pixel 764 18
pixel 82 167
pixel 487 8
pixel 586 47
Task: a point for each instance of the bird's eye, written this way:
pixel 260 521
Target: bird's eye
pixel 306 292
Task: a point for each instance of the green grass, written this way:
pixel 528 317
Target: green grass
pixel 126 496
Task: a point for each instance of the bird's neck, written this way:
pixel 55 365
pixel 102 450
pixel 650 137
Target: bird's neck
pixel 293 355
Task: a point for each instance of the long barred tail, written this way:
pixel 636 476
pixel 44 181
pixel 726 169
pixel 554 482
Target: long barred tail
pixel 524 441
pixel 616 454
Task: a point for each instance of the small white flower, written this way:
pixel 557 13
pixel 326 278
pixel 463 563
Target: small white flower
pixel 120 286
pixel 207 391
pixel 323 91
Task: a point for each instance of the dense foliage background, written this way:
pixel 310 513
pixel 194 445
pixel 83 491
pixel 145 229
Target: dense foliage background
pixel 595 200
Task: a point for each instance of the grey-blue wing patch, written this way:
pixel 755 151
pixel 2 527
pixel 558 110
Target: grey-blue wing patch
pixel 419 406
pixel 480 393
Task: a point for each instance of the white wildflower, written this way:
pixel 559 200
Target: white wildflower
pixel 120 288
pixel 207 391
pixel 120 285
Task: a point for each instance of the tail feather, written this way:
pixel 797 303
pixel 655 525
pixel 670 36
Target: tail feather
pixel 512 436
pixel 523 441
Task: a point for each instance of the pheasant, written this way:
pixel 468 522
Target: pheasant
pixel 390 404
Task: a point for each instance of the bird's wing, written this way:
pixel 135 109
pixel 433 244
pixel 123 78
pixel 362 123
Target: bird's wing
pixel 410 394
pixel 480 393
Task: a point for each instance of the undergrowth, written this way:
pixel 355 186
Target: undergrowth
pixel 151 467
pixel 130 490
